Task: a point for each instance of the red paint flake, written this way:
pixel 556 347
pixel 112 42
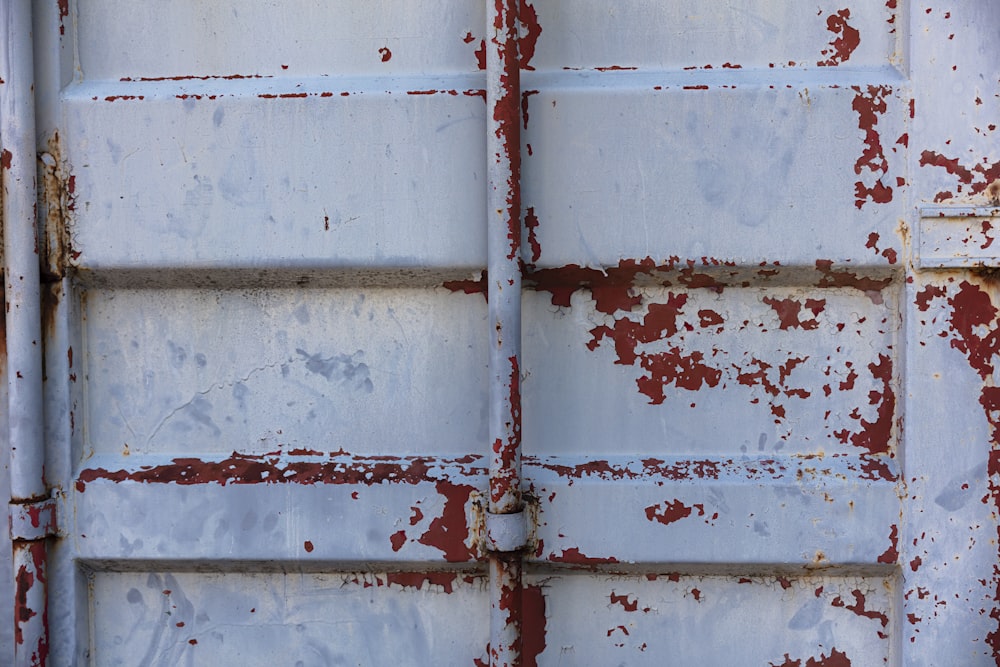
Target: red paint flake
pixel 530 31
pixel 193 642
pixel 709 318
pixel 468 286
pixel 859 608
pixel 785 583
pixel 696 594
pixel 531 224
pixel 788 312
pixel 525 94
pixel 449 531
pixel 836 659
pixel 977 178
pixel 916 563
pixel 624 602
pixel 659 322
pixel 398 539
pixel 972 309
pixel 6 159
pixel 308 546
pixel 481 55
pixel 615 68
pixel 698 87
pixel 533 625
pixel 421 92
pixel 926 295
pixel 847 40
pixel 668 512
pixel 24 581
pixel 417 516
pixel 574 557
pixel 869 106
pixel 385 53
pixel 876 436
pixel 445 580
pixel 731 66
pixel 836 278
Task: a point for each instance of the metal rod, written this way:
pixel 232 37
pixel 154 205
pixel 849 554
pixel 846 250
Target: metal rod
pixel 503 150
pixel 23 320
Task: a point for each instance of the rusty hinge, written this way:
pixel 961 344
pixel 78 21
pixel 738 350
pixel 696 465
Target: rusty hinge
pixel 505 533
pixel 32 520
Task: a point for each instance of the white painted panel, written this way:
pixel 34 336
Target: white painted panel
pixel 373 371
pixel 181 618
pixel 275 38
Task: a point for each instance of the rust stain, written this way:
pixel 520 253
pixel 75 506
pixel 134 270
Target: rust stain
pixel 385 54
pixel 6 159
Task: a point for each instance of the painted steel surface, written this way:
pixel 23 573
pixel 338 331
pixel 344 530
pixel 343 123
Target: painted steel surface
pixel 758 346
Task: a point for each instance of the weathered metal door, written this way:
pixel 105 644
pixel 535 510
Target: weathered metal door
pixel 758 414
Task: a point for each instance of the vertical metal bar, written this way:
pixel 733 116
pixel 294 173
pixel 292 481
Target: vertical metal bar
pixel 503 146
pixel 23 321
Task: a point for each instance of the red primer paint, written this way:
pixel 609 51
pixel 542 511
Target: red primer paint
pixel 449 531
pixel 978 177
pixel 417 580
pixel 836 659
pixel 480 286
pixel 626 604
pixel 524 105
pixel 872 287
pixel 531 224
pixel 6 159
pixel 574 557
pixel 928 294
pixel 659 322
pixel 532 625
pixel 869 106
pixel 859 608
pixel 788 311
pixel 876 436
pixel 528 18
pixel 709 318
pixel 385 53
pixel 398 539
pixel 668 512
pixel 308 546
pixel 417 516
pixel 891 555
pixel 847 39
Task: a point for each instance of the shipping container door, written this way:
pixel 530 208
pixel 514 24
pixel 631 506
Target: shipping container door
pixel 758 409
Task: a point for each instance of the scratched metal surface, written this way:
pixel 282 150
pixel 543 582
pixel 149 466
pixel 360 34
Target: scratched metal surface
pixel 759 419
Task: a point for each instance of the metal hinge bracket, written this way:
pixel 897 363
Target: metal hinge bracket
pixel 32 520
